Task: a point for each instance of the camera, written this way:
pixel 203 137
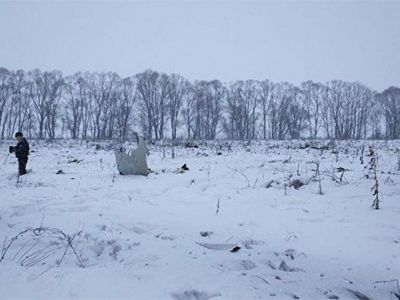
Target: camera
pixel 11 149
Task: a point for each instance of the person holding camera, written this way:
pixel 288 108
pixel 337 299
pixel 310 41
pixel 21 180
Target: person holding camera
pixel 21 152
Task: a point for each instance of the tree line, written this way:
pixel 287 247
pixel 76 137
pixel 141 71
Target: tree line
pixel 90 105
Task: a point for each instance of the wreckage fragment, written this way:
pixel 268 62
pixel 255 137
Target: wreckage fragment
pixel 133 162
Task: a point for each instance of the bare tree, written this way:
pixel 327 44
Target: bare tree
pixel 208 97
pixel 314 95
pixel 286 111
pixel 125 106
pixel 242 102
pixel 161 106
pixel 153 89
pixel 265 94
pixel 15 111
pixel 390 103
pixel 188 112
pixel 103 105
pixel 347 107
pixel 177 92
pixel 45 90
pixel 75 97
pixel 102 91
pixel 5 97
pixel 53 101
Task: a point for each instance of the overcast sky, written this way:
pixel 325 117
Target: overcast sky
pixel 226 40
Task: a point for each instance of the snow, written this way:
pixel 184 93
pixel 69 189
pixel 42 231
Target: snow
pixel 170 235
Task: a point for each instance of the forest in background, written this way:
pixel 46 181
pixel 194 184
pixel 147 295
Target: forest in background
pixel 92 105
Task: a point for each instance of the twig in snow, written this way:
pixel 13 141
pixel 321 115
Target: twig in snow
pixel 373 166
pixel 244 175
pixel 29 258
pixel 290 236
pixel 263 279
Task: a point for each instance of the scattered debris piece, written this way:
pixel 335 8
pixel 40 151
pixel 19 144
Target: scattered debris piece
pixel 217 246
pixel 206 233
pixel 235 249
pixel 133 162
pixel 182 169
pixel 358 295
pixel 296 183
pixel 75 161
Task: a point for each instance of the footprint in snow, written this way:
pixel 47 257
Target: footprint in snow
pixel 238 265
pixel 165 237
pixel 293 253
pixel 284 267
pixel 194 295
pixel 329 295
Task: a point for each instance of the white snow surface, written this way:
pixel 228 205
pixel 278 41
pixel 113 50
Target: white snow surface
pixel 170 235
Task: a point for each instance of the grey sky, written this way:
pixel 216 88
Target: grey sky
pixel 227 40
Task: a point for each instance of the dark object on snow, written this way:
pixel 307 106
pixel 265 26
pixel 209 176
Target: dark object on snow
pixel 21 152
pixel 235 249
pixel 296 183
pixel 341 170
pixel 22 162
pixel 284 267
pixel 77 161
pixel 219 153
pixel 182 169
pixel 290 253
pixel 358 295
pixel 270 183
pixel 60 172
pixel 206 233
pixel 190 145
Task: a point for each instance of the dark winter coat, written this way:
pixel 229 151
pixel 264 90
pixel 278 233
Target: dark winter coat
pixel 22 149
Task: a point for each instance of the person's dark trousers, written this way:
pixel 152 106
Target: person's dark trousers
pixel 22 165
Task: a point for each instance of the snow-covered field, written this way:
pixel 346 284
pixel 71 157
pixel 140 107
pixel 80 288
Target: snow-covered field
pixel 170 235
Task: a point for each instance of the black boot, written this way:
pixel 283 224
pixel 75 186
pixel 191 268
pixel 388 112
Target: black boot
pixel 22 162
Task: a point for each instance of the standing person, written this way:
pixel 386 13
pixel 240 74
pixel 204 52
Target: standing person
pixel 21 152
